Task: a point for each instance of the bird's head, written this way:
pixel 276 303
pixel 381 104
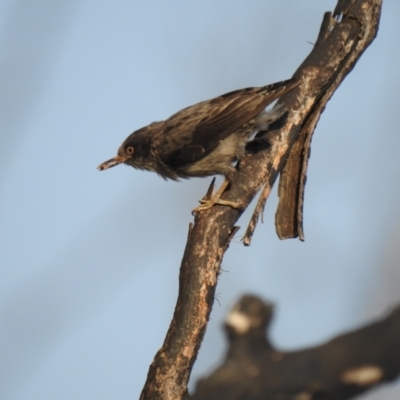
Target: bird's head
pixel 134 150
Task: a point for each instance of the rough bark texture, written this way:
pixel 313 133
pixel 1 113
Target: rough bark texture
pixel 340 44
pixel 341 369
pixel 343 37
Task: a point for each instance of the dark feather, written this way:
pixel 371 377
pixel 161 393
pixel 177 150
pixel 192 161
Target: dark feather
pixel 195 131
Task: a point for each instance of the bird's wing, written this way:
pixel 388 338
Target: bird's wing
pixel 195 131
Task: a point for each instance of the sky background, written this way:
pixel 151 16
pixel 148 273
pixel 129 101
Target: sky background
pixel 89 261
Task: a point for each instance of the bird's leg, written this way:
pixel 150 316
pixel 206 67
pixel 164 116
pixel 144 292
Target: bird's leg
pixel 210 200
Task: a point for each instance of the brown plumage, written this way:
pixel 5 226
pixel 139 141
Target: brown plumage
pixel 203 139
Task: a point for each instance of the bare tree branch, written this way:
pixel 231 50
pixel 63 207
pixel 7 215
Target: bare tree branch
pixel 341 369
pixel 340 44
pixel 342 40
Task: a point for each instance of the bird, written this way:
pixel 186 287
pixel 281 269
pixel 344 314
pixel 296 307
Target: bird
pixel 204 139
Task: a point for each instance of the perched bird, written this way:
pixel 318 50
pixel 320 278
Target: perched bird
pixel 204 139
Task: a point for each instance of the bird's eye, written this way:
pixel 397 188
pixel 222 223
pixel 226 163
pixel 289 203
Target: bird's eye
pixel 129 150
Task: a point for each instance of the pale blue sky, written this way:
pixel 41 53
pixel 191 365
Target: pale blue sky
pixel 90 261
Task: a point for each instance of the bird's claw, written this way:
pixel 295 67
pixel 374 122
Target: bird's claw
pixel 210 199
pixel 206 204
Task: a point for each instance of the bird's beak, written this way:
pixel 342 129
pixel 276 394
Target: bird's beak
pixel 112 162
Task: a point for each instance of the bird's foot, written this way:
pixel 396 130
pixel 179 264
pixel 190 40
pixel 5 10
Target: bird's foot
pixel 207 204
pixel 210 200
